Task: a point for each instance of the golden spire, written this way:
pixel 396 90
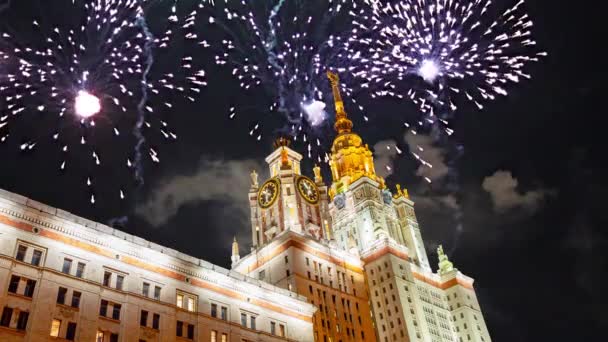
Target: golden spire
pixel 351 159
pixel 343 124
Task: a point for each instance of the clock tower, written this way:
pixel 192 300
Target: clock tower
pixel 288 200
pixel 354 249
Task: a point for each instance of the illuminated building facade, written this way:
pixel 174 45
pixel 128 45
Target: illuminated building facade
pixel 355 250
pixel 64 278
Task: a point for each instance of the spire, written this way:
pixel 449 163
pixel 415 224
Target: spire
pixel 235 252
pixel 445 266
pixel 343 124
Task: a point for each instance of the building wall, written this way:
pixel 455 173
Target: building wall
pixel 330 279
pixel 59 235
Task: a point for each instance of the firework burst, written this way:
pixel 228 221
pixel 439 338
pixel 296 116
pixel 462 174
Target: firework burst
pixel 439 52
pixel 94 75
pixel 280 50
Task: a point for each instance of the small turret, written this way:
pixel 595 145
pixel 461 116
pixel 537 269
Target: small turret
pixel 235 252
pixel 445 265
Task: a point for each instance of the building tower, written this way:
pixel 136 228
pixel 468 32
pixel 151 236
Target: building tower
pixel 355 248
pixel 293 249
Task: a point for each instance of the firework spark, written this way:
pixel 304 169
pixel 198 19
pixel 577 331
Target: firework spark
pixel 282 50
pixel 438 54
pixel 94 74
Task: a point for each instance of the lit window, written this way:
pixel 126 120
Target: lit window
pixel 180 301
pixel 224 337
pixel 191 304
pixel 213 336
pixel 55 327
pixel 99 337
pixel 282 330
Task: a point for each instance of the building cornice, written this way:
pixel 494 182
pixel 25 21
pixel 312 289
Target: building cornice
pixel 36 218
pixel 287 239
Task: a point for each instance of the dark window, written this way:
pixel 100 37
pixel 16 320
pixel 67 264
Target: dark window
pixel 286 259
pixel 114 338
pixel 106 278
pixel 21 250
pixel 287 272
pixel 76 299
pixel 213 310
pixel 116 311
pixel 36 257
pixel 7 313
pixel 243 319
pixel 67 265
pixel 80 270
pixel 61 295
pixel 253 322
pixel 145 289
pixel 157 292
pixel 71 332
pixel 119 280
pixel 143 319
pixel 224 313
pixel 191 331
pixel 103 308
pixel 156 321
pixel 30 285
pixel 178 328
pixel 22 320
pixel 14 284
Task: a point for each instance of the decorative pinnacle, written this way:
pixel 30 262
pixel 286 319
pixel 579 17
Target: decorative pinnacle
pixel 343 124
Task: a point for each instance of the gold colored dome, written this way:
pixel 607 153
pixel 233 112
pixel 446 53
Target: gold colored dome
pixel 350 159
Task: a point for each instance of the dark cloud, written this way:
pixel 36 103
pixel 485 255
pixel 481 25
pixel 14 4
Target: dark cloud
pixel 216 180
pixel 502 187
pixel 433 164
pixel 385 153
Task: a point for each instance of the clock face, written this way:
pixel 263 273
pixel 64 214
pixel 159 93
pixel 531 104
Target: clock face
pixel 268 193
pixel 308 190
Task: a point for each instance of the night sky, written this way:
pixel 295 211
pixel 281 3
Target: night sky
pixel 528 195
